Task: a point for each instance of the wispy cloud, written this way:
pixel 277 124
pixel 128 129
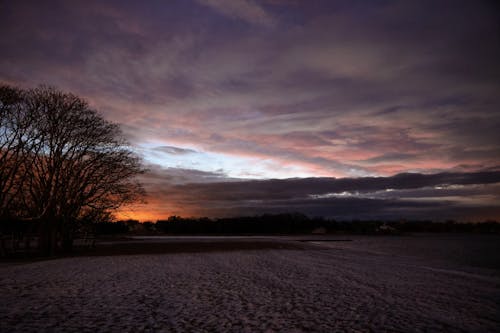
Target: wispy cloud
pixel 174 150
pixel 246 10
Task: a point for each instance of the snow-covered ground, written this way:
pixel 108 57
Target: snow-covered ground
pixel 381 284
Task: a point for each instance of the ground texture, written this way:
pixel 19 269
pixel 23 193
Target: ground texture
pixel 358 286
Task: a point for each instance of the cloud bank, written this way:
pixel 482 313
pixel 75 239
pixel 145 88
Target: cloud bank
pixel 460 196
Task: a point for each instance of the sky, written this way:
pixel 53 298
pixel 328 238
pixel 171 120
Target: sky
pixel 344 109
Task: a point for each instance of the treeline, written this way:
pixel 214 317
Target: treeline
pixel 295 223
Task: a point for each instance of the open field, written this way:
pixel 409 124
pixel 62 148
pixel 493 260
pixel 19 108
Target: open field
pixel 432 283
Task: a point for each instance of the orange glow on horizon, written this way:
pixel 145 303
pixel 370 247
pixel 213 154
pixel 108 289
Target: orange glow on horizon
pixel 146 213
pixel 140 216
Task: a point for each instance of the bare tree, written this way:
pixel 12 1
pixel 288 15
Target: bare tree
pixel 79 165
pixel 19 142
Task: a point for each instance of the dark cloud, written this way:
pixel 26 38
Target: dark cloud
pixel 175 150
pixel 401 196
pixel 304 187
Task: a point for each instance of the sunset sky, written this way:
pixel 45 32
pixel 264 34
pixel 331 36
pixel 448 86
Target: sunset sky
pixel 243 107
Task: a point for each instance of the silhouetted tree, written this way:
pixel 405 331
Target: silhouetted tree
pixel 66 163
pixel 19 142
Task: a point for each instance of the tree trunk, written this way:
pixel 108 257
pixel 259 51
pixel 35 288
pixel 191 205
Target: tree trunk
pixel 67 237
pixel 47 240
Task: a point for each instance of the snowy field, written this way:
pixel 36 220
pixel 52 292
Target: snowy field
pixel 430 283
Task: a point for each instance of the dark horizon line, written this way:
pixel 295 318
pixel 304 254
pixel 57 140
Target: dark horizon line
pixel 179 218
